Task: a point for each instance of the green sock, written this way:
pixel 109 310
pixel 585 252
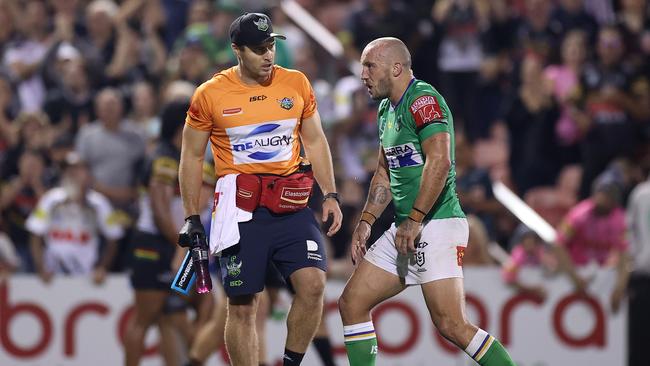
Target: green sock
pixel 361 344
pixel 488 351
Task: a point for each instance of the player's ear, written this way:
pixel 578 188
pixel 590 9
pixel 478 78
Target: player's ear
pixel 397 69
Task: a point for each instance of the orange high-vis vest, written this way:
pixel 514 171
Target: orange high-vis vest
pixel 253 129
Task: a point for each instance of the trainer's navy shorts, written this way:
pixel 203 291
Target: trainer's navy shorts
pixel 291 241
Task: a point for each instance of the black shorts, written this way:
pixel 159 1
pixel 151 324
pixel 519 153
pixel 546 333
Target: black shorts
pixel 150 264
pixel 291 242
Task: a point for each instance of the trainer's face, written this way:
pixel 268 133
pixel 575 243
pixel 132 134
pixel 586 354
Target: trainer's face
pixel 375 74
pixel 257 61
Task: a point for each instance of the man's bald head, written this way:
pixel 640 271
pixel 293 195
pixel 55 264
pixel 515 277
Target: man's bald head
pixel 386 67
pixel 391 50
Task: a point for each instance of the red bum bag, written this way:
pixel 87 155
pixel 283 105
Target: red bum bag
pixel 279 194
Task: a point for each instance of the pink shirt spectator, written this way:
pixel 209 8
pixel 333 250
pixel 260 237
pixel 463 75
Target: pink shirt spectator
pixel 520 257
pixel 588 237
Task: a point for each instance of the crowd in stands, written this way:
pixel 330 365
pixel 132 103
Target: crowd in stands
pixel 552 97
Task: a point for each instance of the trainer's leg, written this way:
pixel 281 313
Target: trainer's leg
pixel 446 304
pixel 368 286
pixel 260 325
pixel 241 337
pixel 148 309
pixel 306 309
pixel 169 341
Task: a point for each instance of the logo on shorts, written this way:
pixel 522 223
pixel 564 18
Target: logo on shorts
pixel 312 247
pixel 419 259
pixel 236 283
pixel 234 269
pixel 460 253
pixel 421 244
pixel 286 103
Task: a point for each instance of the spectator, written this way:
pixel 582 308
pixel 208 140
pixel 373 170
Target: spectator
pixel 594 232
pixel 531 118
pixel 474 186
pixel 112 150
pixel 529 250
pixel 70 104
pixel 143 114
pixel 24 57
pixel 67 224
pixel 571 15
pixel 612 100
pixel 9 260
pixel 462 23
pixel 18 197
pixel 639 289
pixel 564 79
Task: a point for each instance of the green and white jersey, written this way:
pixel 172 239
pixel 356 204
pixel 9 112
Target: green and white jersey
pixel 420 113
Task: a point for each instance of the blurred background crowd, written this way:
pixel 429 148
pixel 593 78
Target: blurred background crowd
pixel 551 97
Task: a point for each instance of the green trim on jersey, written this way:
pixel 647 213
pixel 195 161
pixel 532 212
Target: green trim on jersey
pixel 421 113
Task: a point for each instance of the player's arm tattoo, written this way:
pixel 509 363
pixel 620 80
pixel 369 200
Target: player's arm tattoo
pixel 379 195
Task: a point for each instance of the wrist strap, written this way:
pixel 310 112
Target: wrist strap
pixel 416 215
pixel 420 211
pixel 334 195
pixel 368 217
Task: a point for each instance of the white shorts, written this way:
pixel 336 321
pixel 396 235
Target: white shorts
pixel 438 255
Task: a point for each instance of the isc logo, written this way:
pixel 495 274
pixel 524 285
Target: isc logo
pixel 257 98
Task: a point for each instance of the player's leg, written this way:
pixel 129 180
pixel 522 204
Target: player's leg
pixel 148 309
pixel 210 336
pixel 445 301
pixel 378 277
pixel 368 286
pixel 437 266
pixel 169 341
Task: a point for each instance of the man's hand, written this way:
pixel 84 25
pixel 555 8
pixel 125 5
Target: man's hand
pixel 406 234
pixel 616 298
pixel 45 276
pixel 99 275
pixel 191 229
pixel 331 207
pixel 359 238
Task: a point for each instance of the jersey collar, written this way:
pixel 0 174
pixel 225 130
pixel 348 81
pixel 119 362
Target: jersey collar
pixel 402 97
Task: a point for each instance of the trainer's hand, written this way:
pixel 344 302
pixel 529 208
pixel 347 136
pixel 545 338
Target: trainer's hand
pixel 359 239
pixel 331 207
pixel 190 229
pixel 405 236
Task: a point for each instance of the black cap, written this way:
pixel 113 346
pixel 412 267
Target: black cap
pixel 252 29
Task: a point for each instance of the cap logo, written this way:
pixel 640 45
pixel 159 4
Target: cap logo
pixel 262 24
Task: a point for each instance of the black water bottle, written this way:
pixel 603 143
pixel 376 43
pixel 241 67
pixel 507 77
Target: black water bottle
pixel 201 264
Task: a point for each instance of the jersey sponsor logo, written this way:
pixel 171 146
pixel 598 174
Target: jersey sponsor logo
pixel 401 156
pixel 286 103
pixel 426 109
pixel 257 98
pixel 231 112
pixel 262 142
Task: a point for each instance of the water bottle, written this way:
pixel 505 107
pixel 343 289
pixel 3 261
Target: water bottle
pixel 201 264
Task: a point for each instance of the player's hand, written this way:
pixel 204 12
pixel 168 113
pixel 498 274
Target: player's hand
pixel 405 236
pixel 331 207
pixel 191 228
pixel 616 298
pixel 99 275
pixel 359 239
